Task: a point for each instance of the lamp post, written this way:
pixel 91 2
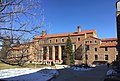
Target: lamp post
pixel 118 29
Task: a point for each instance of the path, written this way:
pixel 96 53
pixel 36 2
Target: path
pixel 96 74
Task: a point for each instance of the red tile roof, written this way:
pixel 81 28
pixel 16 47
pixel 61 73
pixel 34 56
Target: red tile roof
pixel 108 39
pixel 14 48
pixel 113 44
pixel 28 42
pixel 25 43
pixel 65 34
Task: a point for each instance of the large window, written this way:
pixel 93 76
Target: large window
pixel 106 57
pixel 96 57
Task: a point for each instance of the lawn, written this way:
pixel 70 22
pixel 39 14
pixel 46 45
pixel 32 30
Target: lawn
pixel 6 66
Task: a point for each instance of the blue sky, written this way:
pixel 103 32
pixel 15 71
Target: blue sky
pixel 63 16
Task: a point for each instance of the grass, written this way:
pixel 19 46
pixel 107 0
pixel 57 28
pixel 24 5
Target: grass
pixel 6 66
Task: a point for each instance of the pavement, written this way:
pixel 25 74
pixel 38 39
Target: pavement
pixel 96 74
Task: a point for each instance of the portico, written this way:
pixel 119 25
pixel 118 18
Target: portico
pixel 53 53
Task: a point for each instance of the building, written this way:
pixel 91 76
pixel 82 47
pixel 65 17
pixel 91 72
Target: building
pixel 50 48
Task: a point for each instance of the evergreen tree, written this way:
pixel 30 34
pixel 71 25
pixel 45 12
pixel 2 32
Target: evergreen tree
pixel 69 52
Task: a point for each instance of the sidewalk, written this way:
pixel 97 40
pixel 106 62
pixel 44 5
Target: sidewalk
pixel 96 74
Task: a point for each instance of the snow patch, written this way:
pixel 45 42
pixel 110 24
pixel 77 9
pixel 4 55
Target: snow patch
pixel 80 69
pixel 111 72
pixel 28 74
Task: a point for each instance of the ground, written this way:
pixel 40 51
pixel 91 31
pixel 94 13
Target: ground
pixel 65 74
pixel 96 74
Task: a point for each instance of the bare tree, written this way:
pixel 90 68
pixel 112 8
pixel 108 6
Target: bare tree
pixel 19 20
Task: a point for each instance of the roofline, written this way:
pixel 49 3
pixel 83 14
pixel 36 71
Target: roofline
pixel 109 39
pixel 65 34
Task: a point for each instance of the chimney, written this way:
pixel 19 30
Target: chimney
pixel 43 33
pixel 79 29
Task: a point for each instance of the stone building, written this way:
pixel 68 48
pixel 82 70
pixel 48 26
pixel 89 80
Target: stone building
pixel 50 48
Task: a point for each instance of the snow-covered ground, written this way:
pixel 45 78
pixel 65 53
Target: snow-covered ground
pixel 28 74
pixel 74 68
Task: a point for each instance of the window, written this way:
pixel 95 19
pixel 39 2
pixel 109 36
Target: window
pixel 95 49
pixel 62 40
pixel 87 47
pixel 86 42
pixel 106 57
pixel 96 57
pixel 90 41
pixel 95 41
pixel 50 41
pixel 106 48
pixel 56 40
pixel 79 39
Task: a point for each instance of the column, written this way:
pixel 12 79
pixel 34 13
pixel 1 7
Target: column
pixel 73 47
pixel 47 55
pixel 53 53
pixel 41 54
pixel 59 52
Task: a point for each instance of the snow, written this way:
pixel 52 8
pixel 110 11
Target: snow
pixel 80 69
pixel 111 72
pixel 61 66
pixel 28 74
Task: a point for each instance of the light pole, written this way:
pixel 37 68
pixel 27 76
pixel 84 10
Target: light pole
pixel 118 29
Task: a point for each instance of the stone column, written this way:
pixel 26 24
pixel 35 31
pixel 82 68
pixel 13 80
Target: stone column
pixel 41 54
pixel 59 52
pixel 73 48
pixel 53 53
pixel 47 55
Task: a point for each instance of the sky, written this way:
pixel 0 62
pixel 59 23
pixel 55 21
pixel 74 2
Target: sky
pixel 63 16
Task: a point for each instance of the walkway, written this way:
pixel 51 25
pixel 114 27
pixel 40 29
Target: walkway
pixel 96 74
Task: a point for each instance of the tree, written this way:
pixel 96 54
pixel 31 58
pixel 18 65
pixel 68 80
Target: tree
pixel 5 49
pixel 69 56
pixel 21 20
pixel 18 42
